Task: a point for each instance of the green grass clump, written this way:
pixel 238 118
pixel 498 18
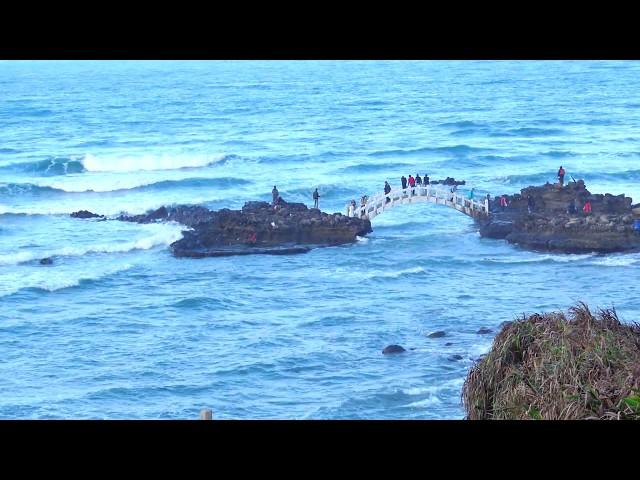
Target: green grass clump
pixel 552 366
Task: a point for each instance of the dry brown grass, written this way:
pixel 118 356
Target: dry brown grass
pixel 552 366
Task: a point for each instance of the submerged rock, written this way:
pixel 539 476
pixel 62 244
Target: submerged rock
pixel 46 261
pixel 437 334
pixel 455 358
pixel 393 349
pixel 483 331
pixel 608 228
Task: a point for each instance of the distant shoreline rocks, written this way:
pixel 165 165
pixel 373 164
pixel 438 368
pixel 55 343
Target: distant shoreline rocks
pixel 85 214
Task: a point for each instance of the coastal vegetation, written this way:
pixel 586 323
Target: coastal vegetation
pixel 582 365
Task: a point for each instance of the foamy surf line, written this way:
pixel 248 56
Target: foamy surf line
pixel 52 282
pixel 78 164
pixel 93 163
pixel 162 238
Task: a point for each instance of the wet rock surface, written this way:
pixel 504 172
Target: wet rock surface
pixel 608 228
pixel 259 228
pixel 393 349
pixel 437 334
pixel 86 214
pixel 448 181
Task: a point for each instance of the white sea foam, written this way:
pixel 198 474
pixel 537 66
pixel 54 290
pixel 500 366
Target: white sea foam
pixel 51 279
pixel 393 273
pixel 165 235
pixel 94 163
pixel 427 402
pixel 618 261
pixel 562 258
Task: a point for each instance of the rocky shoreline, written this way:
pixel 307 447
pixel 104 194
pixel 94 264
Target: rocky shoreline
pixel 259 228
pixel 608 228
pixel 613 225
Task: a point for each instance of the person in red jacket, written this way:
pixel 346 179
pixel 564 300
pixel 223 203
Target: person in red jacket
pixel 412 184
pixel 587 207
pixel 561 173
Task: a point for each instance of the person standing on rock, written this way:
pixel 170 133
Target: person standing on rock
pixel 316 196
pixel 387 190
pixel 275 194
pixel 426 180
pixel 587 207
pixel 561 173
pixel 531 203
pixel 403 180
pixel 418 180
pixel 503 202
pixel 571 208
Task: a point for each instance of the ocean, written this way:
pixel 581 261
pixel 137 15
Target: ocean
pixel 117 328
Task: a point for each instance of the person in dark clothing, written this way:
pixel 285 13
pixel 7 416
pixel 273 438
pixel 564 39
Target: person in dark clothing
pixel 418 179
pixel 531 203
pixel 403 180
pixel 561 173
pixel 274 194
pixel 316 196
pixel 426 180
pixel 571 208
pixel 387 190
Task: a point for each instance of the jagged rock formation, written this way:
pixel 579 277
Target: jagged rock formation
pixel 448 181
pixel 608 228
pixel 257 228
pixel 85 214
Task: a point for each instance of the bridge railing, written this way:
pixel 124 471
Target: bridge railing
pixel 439 194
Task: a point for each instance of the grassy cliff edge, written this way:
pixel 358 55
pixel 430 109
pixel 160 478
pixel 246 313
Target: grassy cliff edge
pixel 552 366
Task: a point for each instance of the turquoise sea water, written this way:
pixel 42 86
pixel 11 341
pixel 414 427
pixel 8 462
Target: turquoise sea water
pixel 118 328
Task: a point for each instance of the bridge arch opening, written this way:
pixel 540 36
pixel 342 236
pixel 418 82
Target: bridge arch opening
pixel 381 202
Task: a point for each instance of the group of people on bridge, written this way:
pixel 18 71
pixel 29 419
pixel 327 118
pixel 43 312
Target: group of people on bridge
pixel 417 181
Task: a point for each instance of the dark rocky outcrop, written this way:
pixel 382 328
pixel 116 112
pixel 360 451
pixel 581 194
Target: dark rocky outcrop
pixel 608 228
pixel 86 214
pixel 437 334
pixel 448 181
pixel 393 349
pixel 483 331
pixel 257 228
pixel 46 261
